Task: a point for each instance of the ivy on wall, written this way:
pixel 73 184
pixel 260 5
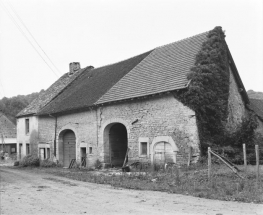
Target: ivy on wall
pixel 208 90
pixel 208 94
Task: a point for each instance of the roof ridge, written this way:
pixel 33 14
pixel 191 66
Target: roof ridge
pixel 110 64
pixel 187 38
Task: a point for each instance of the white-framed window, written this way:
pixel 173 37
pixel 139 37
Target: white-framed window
pixel 143 147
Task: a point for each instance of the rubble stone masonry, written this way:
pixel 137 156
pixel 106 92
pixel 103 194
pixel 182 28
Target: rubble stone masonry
pixel 159 116
pixel 236 106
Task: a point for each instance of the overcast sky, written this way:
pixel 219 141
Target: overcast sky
pixel 98 33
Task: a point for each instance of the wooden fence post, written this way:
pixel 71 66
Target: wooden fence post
pixel 257 163
pixel 245 156
pixel 209 163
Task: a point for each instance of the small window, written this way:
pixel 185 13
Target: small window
pixel 143 148
pixel 27 126
pixel 90 150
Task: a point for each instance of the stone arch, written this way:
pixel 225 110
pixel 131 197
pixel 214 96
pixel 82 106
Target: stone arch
pixel 115 149
pixel 60 143
pixel 115 120
pixel 167 139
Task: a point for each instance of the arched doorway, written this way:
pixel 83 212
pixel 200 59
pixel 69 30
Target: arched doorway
pixel 69 147
pixel 116 143
pixel 163 153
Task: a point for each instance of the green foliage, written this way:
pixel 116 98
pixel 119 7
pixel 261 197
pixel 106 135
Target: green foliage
pixel 207 93
pixel 12 106
pixel 232 142
pixel 47 163
pixel 30 160
pixel 193 181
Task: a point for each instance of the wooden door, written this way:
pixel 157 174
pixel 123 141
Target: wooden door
pixel 163 153
pixel 69 143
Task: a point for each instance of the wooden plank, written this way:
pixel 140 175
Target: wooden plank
pixel 231 167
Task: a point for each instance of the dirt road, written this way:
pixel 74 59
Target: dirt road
pixel 23 192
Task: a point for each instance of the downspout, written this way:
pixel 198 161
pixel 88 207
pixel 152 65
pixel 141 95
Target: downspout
pixel 55 138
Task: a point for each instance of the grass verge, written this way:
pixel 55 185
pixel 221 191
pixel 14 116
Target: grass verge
pixel 224 185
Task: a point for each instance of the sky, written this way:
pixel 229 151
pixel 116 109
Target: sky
pixel 38 39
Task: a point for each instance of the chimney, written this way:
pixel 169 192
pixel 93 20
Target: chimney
pixel 73 67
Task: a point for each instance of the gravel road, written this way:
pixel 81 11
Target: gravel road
pixel 25 192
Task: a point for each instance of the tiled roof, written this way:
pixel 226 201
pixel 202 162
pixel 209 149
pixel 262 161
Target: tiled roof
pixel 163 70
pixel 90 86
pixel 257 106
pixel 45 97
pixel 7 128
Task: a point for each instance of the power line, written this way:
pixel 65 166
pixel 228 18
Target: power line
pixel 21 31
pixel 12 8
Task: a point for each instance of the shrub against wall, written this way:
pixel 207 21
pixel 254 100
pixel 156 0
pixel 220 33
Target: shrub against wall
pixel 208 94
pixel 30 160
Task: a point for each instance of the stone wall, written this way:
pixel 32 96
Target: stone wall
pixel 161 116
pixel 157 116
pixel 236 106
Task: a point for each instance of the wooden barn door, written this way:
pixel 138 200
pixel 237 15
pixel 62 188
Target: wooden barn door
pixel 163 153
pixel 69 152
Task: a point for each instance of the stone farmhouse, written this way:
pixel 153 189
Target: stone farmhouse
pixel 7 135
pixel 99 113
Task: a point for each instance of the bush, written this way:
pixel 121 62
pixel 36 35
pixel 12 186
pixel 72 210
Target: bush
pixel 47 163
pixel 30 160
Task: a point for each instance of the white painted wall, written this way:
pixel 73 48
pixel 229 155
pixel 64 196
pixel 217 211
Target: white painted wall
pixel 22 137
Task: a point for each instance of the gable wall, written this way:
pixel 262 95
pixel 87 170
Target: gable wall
pixel 236 105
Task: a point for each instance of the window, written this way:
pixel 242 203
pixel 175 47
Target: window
pixel 27 126
pixel 90 150
pixel 143 148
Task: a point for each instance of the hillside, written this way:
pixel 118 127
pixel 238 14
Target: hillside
pixel 255 95
pixel 12 106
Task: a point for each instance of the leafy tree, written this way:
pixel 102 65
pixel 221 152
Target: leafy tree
pixel 12 106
